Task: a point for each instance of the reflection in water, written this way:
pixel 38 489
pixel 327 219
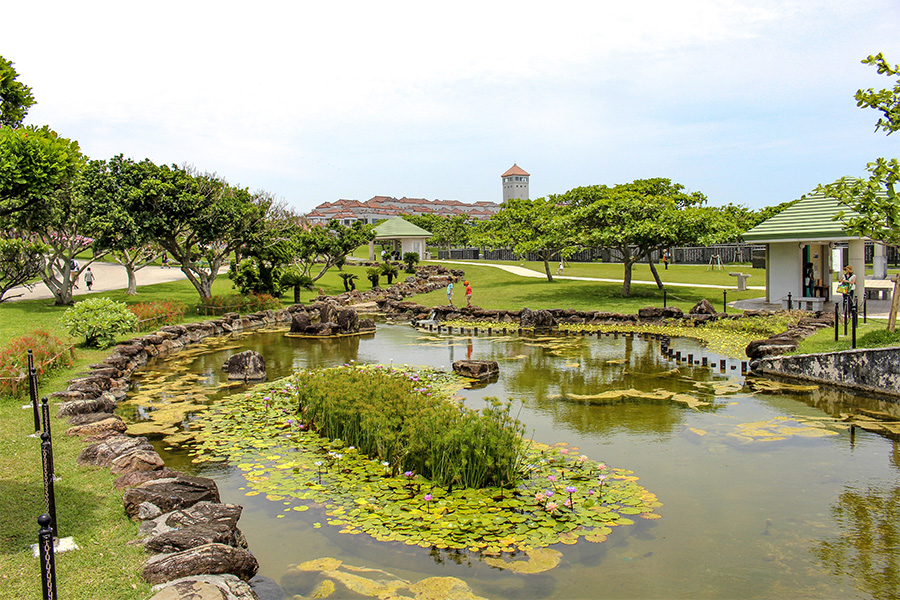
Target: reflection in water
pixel 868 547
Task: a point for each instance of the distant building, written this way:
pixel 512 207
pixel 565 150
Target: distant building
pixel 379 208
pixel 515 183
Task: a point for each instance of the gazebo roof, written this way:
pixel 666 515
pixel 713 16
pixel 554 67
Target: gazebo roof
pixel 810 219
pixel 399 227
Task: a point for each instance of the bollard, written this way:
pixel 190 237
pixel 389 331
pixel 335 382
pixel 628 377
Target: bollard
pixel 690 359
pixel 489 330
pixel 743 367
pixel 33 390
pixel 664 297
pixel 837 321
pixel 48 559
pixel 678 356
pixel 725 302
pixel 704 362
pixel 721 365
pixel 49 495
pixel 854 317
pixel 865 309
pixel 790 302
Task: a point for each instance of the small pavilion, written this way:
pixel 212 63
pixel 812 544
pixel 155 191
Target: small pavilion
pixel 800 241
pixel 400 234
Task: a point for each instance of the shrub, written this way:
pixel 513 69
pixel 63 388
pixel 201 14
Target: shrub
pixel 49 353
pixel 152 315
pixel 411 259
pixel 393 416
pixel 252 276
pixel 217 305
pixel 881 337
pixel 99 320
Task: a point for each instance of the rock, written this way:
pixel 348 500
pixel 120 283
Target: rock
pixel 299 322
pixel 177 540
pixel 769 347
pixel 133 478
pixel 86 418
pixel 139 460
pixel 366 325
pixel 246 366
pixel 112 423
pixel 171 493
pixel 348 321
pixel 146 510
pixel 267 588
pixel 201 513
pixel 205 587
pixel 655 313
pixel 212 559
pixel 704 307
pixel 101 454
pixel 104 403
pixel 476 369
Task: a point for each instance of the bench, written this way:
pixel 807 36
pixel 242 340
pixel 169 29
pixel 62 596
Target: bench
pixel 811 303
pixel 741 280
pixel 879 289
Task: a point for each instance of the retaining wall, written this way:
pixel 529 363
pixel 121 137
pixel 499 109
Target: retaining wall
pixel 870 370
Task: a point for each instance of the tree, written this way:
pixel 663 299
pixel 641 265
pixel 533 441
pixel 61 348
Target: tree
pixel 112 186
pixel 20 262
pixel 530 227
pixel 644 216
pixel 323 246
pixel 876 199
pixel 15 96
pixel 34 163
pixel 198 219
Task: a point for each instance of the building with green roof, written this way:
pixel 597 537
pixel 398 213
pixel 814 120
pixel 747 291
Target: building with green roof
pixel 398 234
pixel 800 250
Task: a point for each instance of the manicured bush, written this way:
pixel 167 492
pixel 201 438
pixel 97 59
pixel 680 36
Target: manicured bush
pixel 99 320
pixel 396 416
pixel 411 259
pixel 49 352
pixel 153 315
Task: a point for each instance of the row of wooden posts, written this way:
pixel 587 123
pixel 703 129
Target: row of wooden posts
pixel 48 532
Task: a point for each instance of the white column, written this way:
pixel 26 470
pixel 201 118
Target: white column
pixel 856 257
pixel 879 262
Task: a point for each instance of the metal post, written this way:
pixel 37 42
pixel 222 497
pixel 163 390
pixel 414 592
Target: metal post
pixel 790 302
pixel 837 321
pixel 49 495
pixel 33 389
pixel 865 309
pixel 855 319
pixel 48 559
pixel 664 297
pixel 725 301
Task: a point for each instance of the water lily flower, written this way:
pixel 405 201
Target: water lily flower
pixel 409 474
pixel 548 493
pixel 571 489
pixel 551 478
pixel 428 497
pixel 551 506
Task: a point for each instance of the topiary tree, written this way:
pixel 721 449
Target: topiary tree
pixel 374 276
pixel 390 271
pixel 349 281
pixel 99 320
pixel 411 259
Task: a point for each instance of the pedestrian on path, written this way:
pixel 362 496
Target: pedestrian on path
pixel 666 259
pixel 468 294
pixel 559 269
pixel 450 293
pixel 88 278
pixel 73 267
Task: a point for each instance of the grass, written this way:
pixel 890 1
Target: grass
pixel 91 511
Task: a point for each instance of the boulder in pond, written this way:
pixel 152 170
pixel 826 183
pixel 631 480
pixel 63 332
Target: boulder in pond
pixel 476 369
pixel 170 493
pixel 215 559
pixel 203 587
pixel 246 366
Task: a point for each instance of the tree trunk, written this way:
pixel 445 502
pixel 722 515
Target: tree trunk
pixel 296 294
pixel 653 270
pixel 132 280
pixel 547 270
pixel 626 283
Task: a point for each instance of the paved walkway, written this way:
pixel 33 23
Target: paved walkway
pixel 107 276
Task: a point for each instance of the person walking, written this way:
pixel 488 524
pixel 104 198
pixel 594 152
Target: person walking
pixel 559 270
pixel 666 259
pixel 89 278
pixel 450 293
pixel 468 294
pixel 165 260
pixel 73 267
pixel 847 286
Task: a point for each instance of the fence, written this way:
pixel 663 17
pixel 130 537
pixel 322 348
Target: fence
pixel 13 383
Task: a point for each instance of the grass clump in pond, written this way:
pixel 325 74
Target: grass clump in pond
pixel 559 496
pixel 395 416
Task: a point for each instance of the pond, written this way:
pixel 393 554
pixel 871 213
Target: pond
pixel 764 494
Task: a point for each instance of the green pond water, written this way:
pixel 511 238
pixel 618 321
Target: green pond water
pixel 764 495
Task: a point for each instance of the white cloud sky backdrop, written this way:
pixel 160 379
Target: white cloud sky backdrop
pixel 749 102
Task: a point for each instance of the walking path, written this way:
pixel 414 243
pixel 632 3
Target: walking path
pixel 107 276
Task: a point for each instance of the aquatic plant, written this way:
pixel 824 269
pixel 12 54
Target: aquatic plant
pixel 391 414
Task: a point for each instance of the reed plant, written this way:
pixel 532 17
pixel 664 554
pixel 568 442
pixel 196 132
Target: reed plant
pixel 49 353
pixel 153 315
pixel 400 417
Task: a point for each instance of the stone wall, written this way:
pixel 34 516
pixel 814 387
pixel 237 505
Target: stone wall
pixel 869 370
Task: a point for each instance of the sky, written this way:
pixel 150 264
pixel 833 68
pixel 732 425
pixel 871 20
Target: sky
pixel 747 101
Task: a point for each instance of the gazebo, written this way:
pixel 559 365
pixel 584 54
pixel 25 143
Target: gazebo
pixel 401 235
pixel 801 257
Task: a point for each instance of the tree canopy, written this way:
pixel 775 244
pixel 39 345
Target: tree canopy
pixel 15 96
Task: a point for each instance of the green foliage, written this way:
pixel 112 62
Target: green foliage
pixel 373 274
pixel 879 338
pixel 15 96
pixel 255 277
pixel 152 315
pixel 34 163
pixel 393 415
pixel 99 320
pixel 293 278
pixel 20 262
pixel 322 247
pixel 349 281
pixel 217 305
pixel 411 259
pixel 390 271
pixel 886 101
pixel 49 353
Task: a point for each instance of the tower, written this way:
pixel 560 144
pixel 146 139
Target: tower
pixel 515 183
